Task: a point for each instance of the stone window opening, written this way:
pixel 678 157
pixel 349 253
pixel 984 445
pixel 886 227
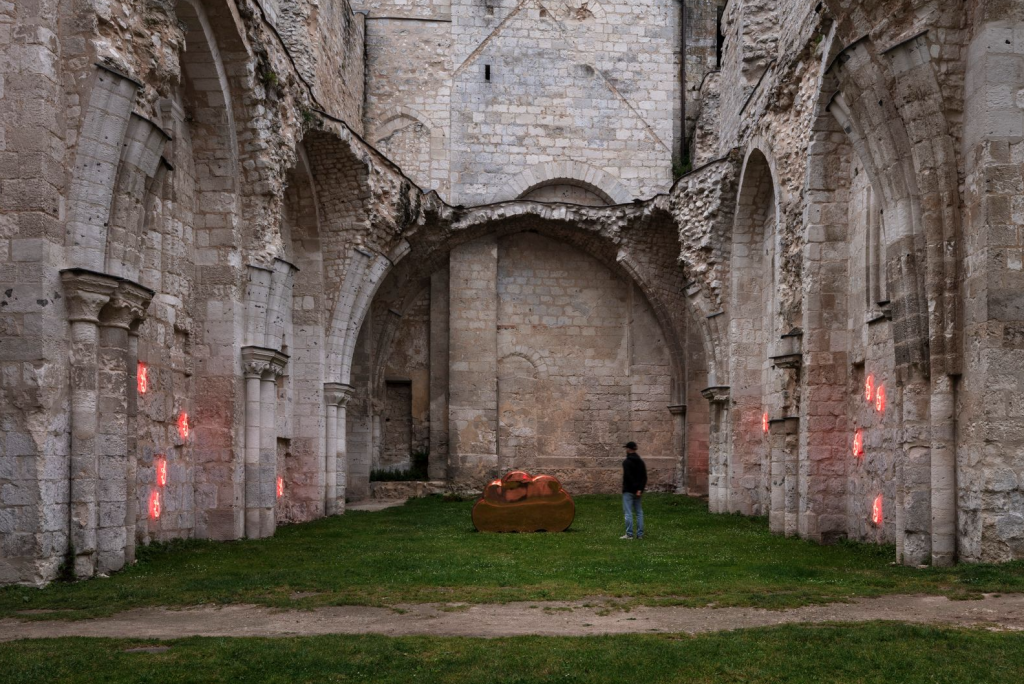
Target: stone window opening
pixel 719 37
pixel 487 72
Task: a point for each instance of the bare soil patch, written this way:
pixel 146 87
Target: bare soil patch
pixel 575 618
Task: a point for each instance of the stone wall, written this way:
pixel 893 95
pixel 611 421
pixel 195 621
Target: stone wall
pixel 470 96
pixel 213 213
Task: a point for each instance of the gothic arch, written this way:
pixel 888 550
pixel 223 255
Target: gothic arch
pixel 597 181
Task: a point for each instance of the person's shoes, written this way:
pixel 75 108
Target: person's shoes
pixel 625 536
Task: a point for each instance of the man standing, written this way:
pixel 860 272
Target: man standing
pixel 634 481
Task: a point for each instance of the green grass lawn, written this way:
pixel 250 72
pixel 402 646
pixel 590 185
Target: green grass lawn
pixel 873 652
pixel 427 550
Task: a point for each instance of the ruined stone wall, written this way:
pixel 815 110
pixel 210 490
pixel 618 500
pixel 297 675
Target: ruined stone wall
pixel 326 41
pixel 408 99
pixel 207 212
pixel 172 167
pixel 596 369
pixel 409 362
pixel 577 82
pixel 990 470
pixel 873 390
pixel 594 83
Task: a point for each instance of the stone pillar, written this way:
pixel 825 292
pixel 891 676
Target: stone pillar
pixel 914 516
pixel 943 472
pixel 437 466
pixel 473 362
pixel 785 493
pixel 719 446
pixel 86 293
pixel 342 450
pixel 256 362
pixel 777 498
pixel 132 514
pixel 336 396
pixel 123 312
pixel 268 452
pixel 678 412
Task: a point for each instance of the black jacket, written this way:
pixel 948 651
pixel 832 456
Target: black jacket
pixel 634 474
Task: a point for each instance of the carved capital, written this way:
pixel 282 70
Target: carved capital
pixel 87 292
pixel 257 360
pixel 677 409
pixel 127 306
pixel 716 395
pixel 279 363
pixel 337 394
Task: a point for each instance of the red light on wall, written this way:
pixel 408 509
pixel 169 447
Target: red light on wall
pixel 869 388
pixel 858 443
pixel 280 487
pixel 764 423
pixel 154 504
pixel 880 399
pixel 143 377
pixel 183 425
pixel 876 511
pixel 161 471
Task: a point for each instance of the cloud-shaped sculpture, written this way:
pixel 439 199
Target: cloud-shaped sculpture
pixel 521 503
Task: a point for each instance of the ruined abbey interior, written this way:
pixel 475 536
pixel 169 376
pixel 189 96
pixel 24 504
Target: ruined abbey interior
pixel 252 251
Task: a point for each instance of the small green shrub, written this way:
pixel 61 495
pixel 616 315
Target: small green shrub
pixel 417 472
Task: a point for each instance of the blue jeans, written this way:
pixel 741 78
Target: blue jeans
pixel 631 503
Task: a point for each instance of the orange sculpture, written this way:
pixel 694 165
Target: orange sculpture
pixel 521 503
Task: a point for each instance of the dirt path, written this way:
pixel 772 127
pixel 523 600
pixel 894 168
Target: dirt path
pixel 553 619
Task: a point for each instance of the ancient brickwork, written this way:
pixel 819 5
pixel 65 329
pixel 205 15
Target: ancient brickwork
pixel 209 279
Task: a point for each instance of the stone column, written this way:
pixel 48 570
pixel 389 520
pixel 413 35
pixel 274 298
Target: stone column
pixel 342 450
pixel 678 412
pixel 943 472
pixel 124 311
pixel 719 447
pixel 86 293
pixel 785 494
pixel 256 361
pixel 268 444
pixel 437 466
pixel 473 362
pixel 777 498
pixel 336 396
pixel 914 515
pixel 132 514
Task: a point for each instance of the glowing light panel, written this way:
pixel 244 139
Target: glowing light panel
pixel 876 510
pixel 880 399
pixel 858 443
pixel 143 377
pixel 183 425
pixel 155 507
pixel 764 423
pixel 280 487
pixel 161 471
pixel 869 388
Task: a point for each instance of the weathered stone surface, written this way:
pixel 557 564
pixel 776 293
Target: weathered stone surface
pixel 856 214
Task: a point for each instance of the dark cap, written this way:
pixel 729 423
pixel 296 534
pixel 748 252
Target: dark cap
pixel 631 445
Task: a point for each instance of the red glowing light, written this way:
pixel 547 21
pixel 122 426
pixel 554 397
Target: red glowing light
pixel 764 423
pixel 161 471
pixel 154 504
pixel 143 375
pixel 880 399
pixel 280 487
pixel 869 388
pixel 858 443
pixel 876 510
pixel 183 425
